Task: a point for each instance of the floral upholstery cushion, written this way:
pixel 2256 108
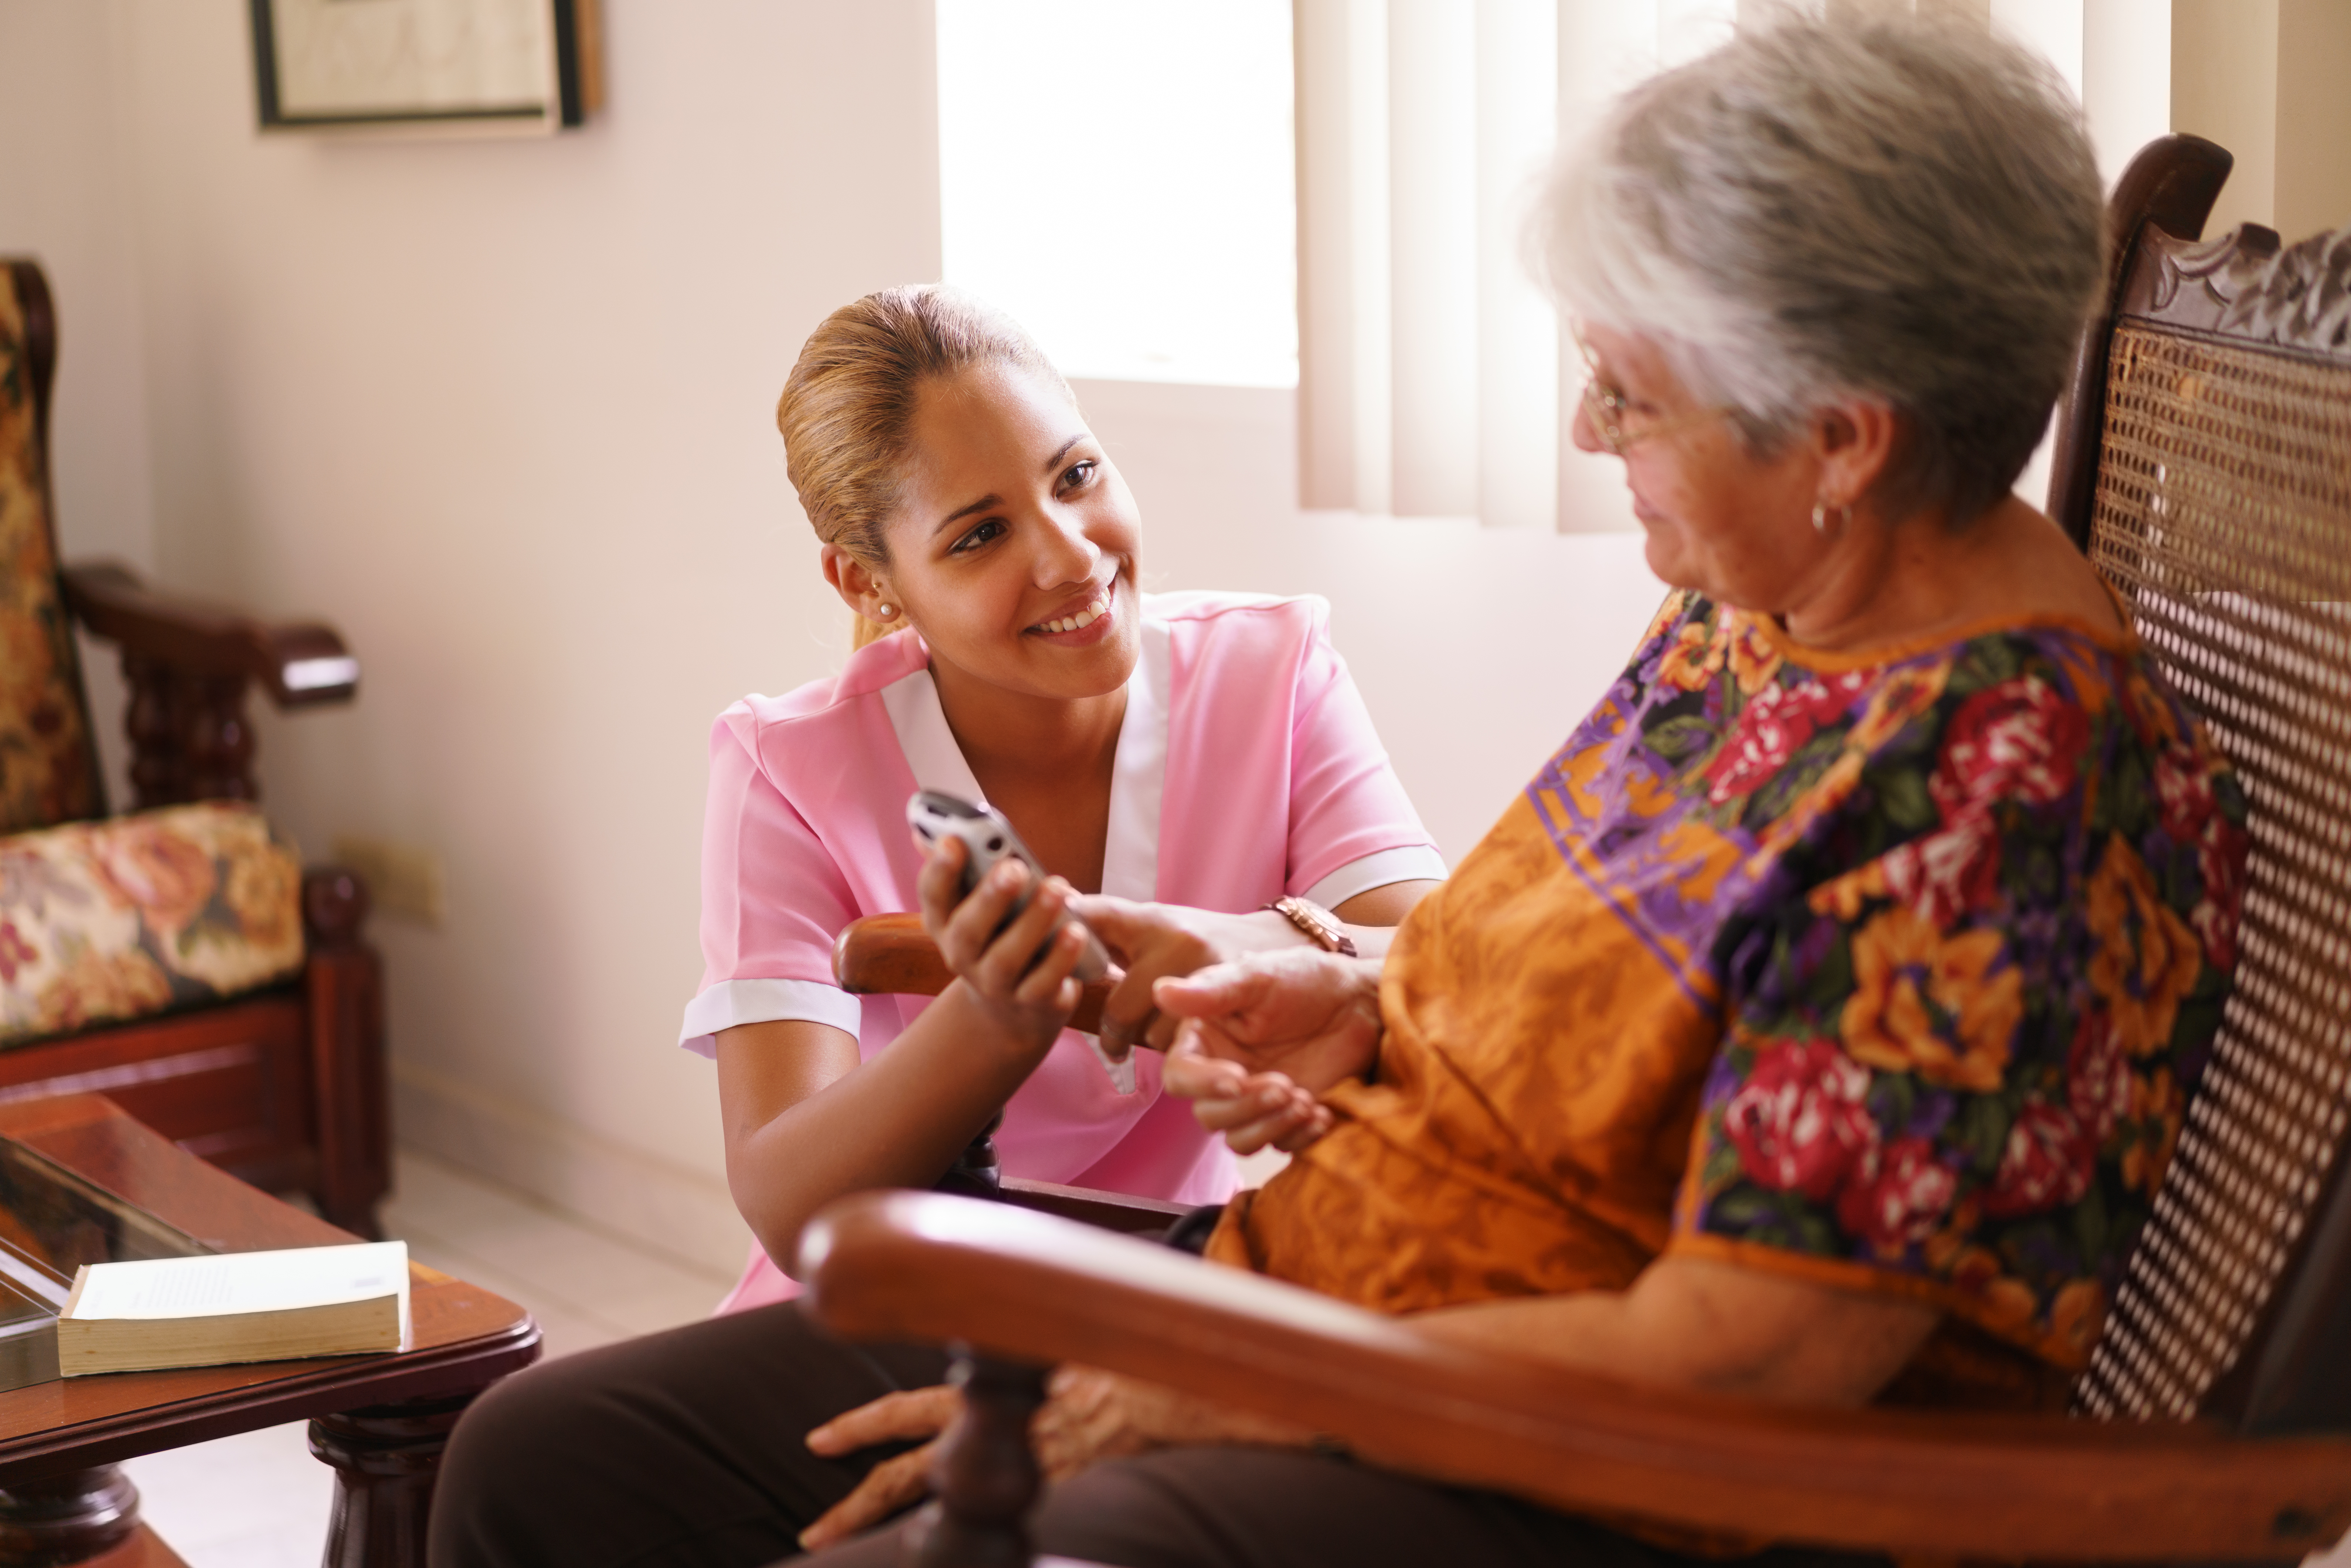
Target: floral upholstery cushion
pixel 48 772
pixel 101 922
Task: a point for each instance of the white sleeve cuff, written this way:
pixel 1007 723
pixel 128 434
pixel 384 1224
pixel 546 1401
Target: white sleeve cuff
pixel 732 1003
pixel 1413 862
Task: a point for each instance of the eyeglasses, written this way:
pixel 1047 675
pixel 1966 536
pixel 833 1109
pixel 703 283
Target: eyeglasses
pixel 1613 416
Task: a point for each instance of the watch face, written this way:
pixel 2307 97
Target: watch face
pixel 1318 924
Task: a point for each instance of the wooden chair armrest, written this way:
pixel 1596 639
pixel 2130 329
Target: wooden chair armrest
pixel 301 664
pixel 929 1267
pixel 889 955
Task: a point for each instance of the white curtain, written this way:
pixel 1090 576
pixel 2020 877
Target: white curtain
pixel 1432 375
pixel 1431 369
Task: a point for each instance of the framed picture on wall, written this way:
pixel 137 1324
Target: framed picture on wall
pixel 479 68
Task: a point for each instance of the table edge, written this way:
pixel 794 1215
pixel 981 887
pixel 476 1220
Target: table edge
pixel 468 1365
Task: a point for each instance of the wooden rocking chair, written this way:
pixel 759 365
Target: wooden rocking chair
pixel 2205 464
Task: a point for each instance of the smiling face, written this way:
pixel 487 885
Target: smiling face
pixel 1733 526
pixel 1012 550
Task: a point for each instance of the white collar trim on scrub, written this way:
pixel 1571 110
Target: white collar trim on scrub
pixel 1138 770
pixel 933 757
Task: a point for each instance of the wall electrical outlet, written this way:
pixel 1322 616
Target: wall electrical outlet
pixel 404 881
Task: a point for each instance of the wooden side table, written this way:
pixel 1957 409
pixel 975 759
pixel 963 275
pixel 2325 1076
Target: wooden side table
pixel 380 1421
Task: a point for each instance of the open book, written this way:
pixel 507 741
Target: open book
pixel 238 1306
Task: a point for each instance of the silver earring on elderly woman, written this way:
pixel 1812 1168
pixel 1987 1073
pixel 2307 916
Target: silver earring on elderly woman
pixel 1821 518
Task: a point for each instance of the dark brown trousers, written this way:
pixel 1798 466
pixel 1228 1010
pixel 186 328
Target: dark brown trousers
pixel 687 1449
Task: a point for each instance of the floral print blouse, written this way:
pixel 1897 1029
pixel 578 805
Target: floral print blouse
pixel 1892 970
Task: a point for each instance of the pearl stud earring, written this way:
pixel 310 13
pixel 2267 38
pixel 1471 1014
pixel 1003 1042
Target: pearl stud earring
pixel 886 612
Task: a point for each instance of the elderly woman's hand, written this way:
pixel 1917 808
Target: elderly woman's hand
pixel 917 1415
pixel 1090 1415
pixel 1159 941
pixel 1263 1038
pixel 1252 1110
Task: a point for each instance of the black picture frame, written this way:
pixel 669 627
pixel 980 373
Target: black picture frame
pixel 577 35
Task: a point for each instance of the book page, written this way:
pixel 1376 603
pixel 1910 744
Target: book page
pixel 162 1288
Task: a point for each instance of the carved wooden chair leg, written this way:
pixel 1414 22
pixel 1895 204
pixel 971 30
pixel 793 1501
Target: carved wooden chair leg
pixel 218 741
pixel 158 774
pixel 345 981
pixel 67 1518
pixel 385 1459
pixel 984 1475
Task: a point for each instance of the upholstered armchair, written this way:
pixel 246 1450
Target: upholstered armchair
pixel 177 959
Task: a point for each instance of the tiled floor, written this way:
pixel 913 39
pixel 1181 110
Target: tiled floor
pixel 260 1500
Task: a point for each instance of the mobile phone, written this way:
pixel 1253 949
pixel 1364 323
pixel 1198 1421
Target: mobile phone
pixel 987 838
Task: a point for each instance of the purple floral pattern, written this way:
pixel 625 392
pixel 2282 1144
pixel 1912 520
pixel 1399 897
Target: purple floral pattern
pixel 1967 915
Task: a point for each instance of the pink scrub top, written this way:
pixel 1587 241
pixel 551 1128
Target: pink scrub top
pixel 1247 767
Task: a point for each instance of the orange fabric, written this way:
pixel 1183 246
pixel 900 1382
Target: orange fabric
pixel 1889 972
pixel 1442 1183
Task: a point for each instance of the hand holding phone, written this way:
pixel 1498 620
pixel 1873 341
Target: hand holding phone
pixel 937 816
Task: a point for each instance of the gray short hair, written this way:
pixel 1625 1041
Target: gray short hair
pixel 1875 204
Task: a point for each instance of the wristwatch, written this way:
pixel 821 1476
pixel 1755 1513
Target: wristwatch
pixel 1322 927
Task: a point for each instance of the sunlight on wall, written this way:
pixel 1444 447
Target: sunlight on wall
pixel 1119 177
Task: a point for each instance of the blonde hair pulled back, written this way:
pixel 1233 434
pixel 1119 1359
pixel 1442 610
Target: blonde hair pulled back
pixel 848 408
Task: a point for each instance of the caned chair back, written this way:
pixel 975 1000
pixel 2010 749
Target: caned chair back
pixel 48 769
pixel 2220 507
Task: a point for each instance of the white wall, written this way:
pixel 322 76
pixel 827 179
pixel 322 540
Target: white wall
pixel 2226 89
pixel 62 191
pixel 2264 78
pixel 63 199
pixel 2313 122
pixel 1476 648
pixel 502 410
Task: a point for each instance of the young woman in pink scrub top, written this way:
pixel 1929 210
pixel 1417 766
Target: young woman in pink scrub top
pixel 1187 759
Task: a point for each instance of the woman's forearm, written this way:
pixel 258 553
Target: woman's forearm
pixel 897 1119
pixel 1694 1323
pixel 1372 915
pixel 1685 1323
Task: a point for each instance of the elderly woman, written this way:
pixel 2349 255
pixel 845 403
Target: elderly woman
pixel 1815 1026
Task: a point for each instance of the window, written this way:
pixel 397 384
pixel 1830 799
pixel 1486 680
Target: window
pixel 1117 174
